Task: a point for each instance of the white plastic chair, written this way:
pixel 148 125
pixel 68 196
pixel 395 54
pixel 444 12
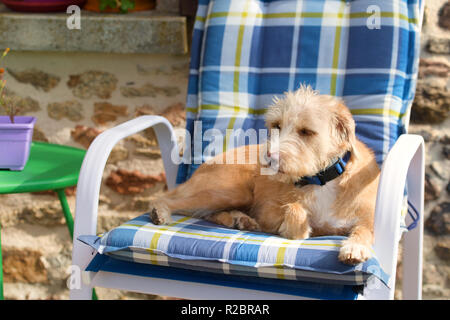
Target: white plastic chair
pixel 404 165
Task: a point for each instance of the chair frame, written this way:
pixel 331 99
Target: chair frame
pixel 404 166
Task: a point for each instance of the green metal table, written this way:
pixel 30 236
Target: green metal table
pixel 50 167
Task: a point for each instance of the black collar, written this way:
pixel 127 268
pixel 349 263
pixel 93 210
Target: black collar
pixel 328 174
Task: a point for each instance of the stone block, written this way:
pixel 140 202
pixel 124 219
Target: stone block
pixel 39 135
pixel 442 248
pixel 431 104
pixel 23 265
pixel 439 220
pixel 84 135
pixel 92 83
pixel 132 182
pixel 23 105
pixel 430 67
pixel 136 32
pixel 72 110
pixel 176 114
pixel 37 78
pixel 438 45
pixel 149 90
pixel 444 16
pixel 106 112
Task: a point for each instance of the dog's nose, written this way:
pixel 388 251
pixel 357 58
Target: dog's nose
pixel 273 155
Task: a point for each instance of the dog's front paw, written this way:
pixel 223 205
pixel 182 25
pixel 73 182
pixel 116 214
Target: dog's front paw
pixel 234 219
pixel 244 222
pixel 295 225
pixel 160 214
pixel 354 253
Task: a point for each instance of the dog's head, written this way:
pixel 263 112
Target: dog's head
pixel 313 130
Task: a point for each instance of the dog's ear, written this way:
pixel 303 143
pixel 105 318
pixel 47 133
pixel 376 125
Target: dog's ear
pixel 345 128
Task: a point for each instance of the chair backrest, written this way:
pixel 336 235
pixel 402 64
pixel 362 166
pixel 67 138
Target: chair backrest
pixel 244 52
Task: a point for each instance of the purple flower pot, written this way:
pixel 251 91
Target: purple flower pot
pixel 41 5
pixel 15 141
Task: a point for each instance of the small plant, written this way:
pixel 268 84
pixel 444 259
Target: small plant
pixel 6 102
pixel 16 133
pixel 122 5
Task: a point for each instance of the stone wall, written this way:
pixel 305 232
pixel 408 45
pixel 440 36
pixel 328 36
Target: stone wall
pixel 75 96
pixel 430 118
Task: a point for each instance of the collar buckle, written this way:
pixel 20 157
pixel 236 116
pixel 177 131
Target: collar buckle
pixel 321 176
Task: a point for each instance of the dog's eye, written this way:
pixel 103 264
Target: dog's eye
pixel 276 126
pixel 306 132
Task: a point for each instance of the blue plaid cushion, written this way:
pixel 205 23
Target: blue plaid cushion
pixel 246 51
pixel 199 245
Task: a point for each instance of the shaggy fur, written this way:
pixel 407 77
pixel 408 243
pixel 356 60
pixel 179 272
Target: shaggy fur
pixel 313 130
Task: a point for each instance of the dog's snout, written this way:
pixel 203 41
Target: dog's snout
pixel 273 155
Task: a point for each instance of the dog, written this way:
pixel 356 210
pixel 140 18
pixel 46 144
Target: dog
pixel 315 134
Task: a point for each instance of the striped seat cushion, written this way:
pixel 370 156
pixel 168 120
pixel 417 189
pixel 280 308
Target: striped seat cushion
pixel 199 245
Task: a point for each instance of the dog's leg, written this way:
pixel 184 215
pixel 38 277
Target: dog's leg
pixel 219 189
pixel 295 224
pixel 160 212
pixel 199 204
pixel 357 248
pixel 234 219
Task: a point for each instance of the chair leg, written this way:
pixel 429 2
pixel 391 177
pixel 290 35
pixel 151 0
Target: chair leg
pixel 66 210
pixel 69 221
pixel 94 295
pixel 412 264
pixel 413 239
pixel 80 288
pixel 1 266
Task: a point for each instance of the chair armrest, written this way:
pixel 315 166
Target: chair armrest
pixel 404 164
pixel 89 182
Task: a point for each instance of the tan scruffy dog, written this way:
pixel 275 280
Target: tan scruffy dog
pixel 314 131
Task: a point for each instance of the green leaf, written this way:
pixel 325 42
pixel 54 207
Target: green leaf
pixel 112 4
pixel 127 5
pixel 103 4
pixel 107 3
